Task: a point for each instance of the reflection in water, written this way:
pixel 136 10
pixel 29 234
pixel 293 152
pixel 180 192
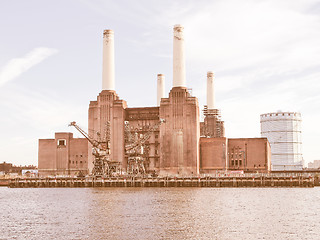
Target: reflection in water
pixel 159 213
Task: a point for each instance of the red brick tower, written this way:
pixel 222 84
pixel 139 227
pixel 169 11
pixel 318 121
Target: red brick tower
pixel 180 133
pixel 108 107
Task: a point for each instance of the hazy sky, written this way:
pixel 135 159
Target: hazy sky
pixel 265 55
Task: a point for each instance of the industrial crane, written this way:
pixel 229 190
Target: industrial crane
pixel 102 165
pixel 135 146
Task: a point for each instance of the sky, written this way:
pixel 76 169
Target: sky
pixel 265 56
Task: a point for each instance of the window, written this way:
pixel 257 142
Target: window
pixel 62 142
pixel 240 162
pixel 236 162
pixel 232 163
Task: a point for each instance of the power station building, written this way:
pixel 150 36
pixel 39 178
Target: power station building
pixel 179 144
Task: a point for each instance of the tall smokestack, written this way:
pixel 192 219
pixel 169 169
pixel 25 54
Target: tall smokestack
pixel 108 60
pixel 179 69
pixel 160 88
pixel 210 91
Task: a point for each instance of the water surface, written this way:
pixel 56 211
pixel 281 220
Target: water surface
pixel 160 213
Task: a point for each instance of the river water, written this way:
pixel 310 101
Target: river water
pixel 160 213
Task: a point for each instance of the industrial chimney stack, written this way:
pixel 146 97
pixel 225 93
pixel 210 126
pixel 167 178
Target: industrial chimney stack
pixel 160 88
pixel 210 91
pixel 179 69
pixel 108 60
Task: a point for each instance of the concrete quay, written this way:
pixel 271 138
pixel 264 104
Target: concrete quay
pixel 216 182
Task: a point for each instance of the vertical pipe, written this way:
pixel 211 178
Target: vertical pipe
pixel 108 60
pixel 179 69
pixel 210 90
pixel 160 88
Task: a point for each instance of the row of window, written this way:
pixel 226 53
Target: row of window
pixel 236 156
pixel 236 163
pixel 77 162
pixel 279 114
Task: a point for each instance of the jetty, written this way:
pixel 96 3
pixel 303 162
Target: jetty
pixel 208 181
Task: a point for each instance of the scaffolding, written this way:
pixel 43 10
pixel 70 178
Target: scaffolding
pixel 136 148
pixel 212 126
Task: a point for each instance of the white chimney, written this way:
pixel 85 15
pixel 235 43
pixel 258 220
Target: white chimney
pixel 160 88
pixel 108 60
pixel 210 91
pixel 179 69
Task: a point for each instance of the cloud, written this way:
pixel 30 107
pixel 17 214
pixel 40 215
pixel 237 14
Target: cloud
pixel 41 111
pixel 18 66
pixel 29 115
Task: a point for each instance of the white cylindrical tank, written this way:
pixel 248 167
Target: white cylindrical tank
pixel 283 130
pixel 108 61
pixel 179 68
pixel 160 88
pixel 210 90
